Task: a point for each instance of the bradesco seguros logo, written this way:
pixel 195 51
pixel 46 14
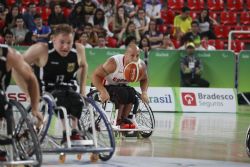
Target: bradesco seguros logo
pixel 188 99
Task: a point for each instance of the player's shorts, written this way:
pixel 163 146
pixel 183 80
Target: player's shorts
pixel 69 99
pixel 121 94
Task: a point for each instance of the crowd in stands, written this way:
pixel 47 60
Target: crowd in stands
pixel 108 23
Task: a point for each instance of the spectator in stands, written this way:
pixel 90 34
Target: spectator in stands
pixel 41 32
pixel 182 23
pixel 206 45
pixel 10 20
pixel 89 8
pixel 120 20
pixel 153 10
pixel 155 37
pixel 191 68
pixel 108 7
pixel 92 35
pixel 101 42
pixel 56 17
pixel 9 38
pixel 83 39
pixel 130 30
pixel 141 21
pixel 167 43
pixel 130 8
pixel 20 30
pixel 206 24
pixel 2 17
pixel 129 40
pixel 100 22
pixel 194 35
pixel 77 16
pixel 144 44
pixel 28 16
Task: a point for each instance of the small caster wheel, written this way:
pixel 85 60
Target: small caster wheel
pixel 62 158
pixel 79 157
pixel 94 157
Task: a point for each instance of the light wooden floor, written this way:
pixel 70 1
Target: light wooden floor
pixel 189 139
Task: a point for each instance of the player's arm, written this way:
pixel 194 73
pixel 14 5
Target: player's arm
pixel 83 68
pixel 144 84
pixel 99 74
pixel 25 78
pixel 37 54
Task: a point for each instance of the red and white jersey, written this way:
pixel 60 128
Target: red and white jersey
pixel 117 77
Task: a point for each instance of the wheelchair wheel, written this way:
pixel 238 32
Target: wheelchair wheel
pixel 46 107
pixel 26 143
pixel 104 133
pixel 145 118
pixel 248 142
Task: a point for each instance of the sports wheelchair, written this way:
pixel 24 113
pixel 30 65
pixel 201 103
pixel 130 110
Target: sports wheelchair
pixel 98 138
pixel 142 116
pixel 18 139
pixel 248 142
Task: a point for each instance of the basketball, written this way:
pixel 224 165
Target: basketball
pixel 132 72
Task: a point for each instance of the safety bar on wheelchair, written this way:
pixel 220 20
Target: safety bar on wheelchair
pixel 23 162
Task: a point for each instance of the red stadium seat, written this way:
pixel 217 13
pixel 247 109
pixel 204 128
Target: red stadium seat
pixel 248 4
pixel 245 17
pixel 175 5
pixel 221 31
pixel 66 12
pixel 45 13
pixel 219 44
pixel 10 2
pixel 237 46
pixel 139 3
pixel 26 2
pixel 176 43
pixel 235 5
pixel 22 9
pixel 197 5
pixel 228 18
pixel 193 14
pixel 168 16
pixel 111 42
pixel 163 28
pixel 213 15
pixel 215 5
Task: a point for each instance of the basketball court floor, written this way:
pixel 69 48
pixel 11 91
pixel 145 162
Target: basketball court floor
pixel 179 140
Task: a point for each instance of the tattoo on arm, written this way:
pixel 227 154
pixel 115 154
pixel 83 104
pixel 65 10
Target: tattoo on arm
pixel 105 71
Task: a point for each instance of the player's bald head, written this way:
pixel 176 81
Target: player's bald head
pixel 133 50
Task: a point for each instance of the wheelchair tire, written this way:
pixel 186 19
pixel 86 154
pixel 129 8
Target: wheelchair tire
pixel 26 143
pixel 145 118
pixel 248 142
pixel 103 128
pixel 47 110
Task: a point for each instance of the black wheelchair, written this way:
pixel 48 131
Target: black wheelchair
pixel 18 139
pixel 248 142
pixel 141 115
pixel 98 139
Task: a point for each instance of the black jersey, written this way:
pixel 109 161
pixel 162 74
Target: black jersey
pixel 59 71
pixel 4 74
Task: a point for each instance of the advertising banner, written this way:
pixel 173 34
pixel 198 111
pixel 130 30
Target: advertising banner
pixel 207 99
pixel 243 72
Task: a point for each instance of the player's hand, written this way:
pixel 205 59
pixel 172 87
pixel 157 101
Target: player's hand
pixel 144 97
pixel 39 117
pixel 104 96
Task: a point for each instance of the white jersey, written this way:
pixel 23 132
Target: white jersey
pixel 117 77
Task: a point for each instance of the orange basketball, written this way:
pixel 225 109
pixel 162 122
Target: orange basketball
pixel 132 72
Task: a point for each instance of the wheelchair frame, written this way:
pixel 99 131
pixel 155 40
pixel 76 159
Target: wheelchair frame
pixel 83 146
pixel 19 133
pixel 144 131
